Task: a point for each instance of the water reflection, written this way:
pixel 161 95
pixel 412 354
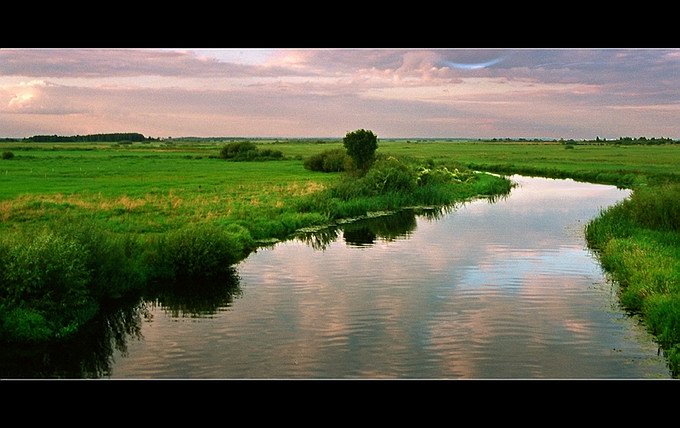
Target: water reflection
pixel 197 300
pixel 367 231
pixel 487 291
pixel 88 355
pixel 387 228
pixel 91 353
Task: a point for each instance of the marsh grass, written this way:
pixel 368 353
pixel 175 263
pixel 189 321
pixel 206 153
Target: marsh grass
pixel 638 244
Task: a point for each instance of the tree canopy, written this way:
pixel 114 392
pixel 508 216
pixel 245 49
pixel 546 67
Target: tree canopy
pixel 361 146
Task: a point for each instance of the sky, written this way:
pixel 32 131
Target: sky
pixel 396 93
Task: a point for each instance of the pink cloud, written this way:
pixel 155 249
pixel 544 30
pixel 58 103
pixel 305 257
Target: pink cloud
pixel 398 92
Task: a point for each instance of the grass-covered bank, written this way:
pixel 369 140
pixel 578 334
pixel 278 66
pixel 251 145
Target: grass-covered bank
pixel 638 243
pixel 83 228
pixel 53 281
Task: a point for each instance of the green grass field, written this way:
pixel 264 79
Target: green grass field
pixel 146 189
pixel 162 194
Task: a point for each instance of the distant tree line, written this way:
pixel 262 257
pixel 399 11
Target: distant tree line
pixel 643 140
pixel 596 140
pixel 623 141
pixel 91 138
pixel 521 140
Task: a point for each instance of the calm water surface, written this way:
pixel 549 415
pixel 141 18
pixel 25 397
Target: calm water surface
pixel 489 290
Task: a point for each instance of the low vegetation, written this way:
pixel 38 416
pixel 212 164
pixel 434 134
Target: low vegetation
pixel 638 242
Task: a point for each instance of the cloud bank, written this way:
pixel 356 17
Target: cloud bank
pixel 475 93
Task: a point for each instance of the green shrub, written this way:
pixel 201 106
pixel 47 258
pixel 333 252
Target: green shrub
pixel 48 270
pixel 269 154
pixel 24 325
pixel 247 151
pixel 114 261
pixel 47 275
pixel 390 175
pixel 7 155
pixel 335 160
pixel 237 150
pixel 199 252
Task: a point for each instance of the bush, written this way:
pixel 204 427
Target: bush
pixel 114 261
pixel 335 160
pixel 7 155
pixel 24 325
pixel 49 270
pixel 199 252
pixel 269 154
pixel 391 175
pixel 44 283
pixel 237 150
pixel 247 151
pixel 387 175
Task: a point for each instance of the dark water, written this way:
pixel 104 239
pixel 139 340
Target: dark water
pixel 488 290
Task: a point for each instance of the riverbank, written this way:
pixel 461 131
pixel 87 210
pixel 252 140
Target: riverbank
pixel 97 225
pixel 638 240
pixel 638 244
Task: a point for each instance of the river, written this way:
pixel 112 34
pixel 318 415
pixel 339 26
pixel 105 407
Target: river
pixel 484 290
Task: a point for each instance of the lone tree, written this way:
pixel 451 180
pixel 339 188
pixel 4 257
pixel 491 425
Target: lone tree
pixel 361 146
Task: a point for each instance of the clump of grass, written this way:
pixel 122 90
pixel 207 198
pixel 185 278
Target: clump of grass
pixel 199 252
pixel 656 208
pixel 7 155
pixel 113 260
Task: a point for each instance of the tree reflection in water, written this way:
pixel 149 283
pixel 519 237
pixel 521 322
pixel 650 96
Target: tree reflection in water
pixel 366 231
pixel 388 228
pixel 87 355
pixel 197 300
pixel 90 353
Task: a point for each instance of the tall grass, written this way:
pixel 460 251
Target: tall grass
pixel 638 243
pixel 44 287
pixel 393 183
pixel 52 283
pixel 199 252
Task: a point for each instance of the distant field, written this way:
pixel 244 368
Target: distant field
pixel 144 188
pixel 155 187
pixel 654 162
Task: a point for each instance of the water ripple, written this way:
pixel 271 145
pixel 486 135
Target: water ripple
pixel 502 290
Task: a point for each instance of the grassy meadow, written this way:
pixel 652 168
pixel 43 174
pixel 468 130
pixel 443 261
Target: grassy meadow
pixel 85 222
